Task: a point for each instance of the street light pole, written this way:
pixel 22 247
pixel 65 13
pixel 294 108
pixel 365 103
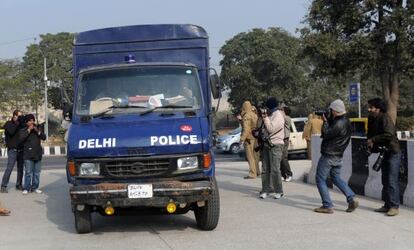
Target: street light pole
pixel 46 115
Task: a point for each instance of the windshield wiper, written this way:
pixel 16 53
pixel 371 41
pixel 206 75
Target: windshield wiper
pixel 115 107
pixel 165 106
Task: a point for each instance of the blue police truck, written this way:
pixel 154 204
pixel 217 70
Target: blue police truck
pixel 140 139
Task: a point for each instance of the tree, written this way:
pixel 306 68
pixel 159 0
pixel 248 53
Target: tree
pixel 262 63
pixel 367 38
pixel 13 89
pixel 57 49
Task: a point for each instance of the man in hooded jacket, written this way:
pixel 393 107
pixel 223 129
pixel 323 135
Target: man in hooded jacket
pixel 249 122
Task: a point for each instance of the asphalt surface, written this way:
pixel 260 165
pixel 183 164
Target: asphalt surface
pixel 45 221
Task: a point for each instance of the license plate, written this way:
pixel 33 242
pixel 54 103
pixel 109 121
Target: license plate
pixel 139 191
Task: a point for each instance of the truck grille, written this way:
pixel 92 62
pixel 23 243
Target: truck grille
pixel 138 168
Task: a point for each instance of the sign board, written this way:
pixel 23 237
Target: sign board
pixel 354 92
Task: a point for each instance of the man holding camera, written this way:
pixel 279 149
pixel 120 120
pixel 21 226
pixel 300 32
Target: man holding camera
pixel 381 134
pixel 14 151
pixel 336 134
pixel 249 122
pixel 272 150
pixel 31 136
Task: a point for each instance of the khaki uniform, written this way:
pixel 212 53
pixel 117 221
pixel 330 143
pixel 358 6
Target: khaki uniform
pixel 312 127
pixel 249 122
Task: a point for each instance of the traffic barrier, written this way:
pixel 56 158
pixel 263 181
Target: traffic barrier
pixel 405 135
pixel 359 169
pixel 409 191
pixel 47 150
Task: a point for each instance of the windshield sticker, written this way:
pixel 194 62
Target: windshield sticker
pixel 97 143
pixel 174 140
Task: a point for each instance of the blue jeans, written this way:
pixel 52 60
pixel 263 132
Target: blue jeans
pixel 390 180
pixel 31 174
pixel 13 156
pixel 331 165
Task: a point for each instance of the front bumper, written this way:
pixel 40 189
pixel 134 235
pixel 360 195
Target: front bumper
pixel 163 192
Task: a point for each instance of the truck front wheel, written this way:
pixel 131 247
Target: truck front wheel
pixel 207 217
pixel 83 221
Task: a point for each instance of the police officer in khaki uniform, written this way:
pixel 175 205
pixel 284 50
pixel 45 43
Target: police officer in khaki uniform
pixel 312 127
pixel 249 122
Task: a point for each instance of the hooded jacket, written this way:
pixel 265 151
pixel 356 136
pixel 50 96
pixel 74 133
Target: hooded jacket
pixel 249 121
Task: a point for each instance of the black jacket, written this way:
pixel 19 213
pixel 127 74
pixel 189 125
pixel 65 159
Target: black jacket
pixel 381 131
pixel 11 130
pixel 336 135
pixel 32 150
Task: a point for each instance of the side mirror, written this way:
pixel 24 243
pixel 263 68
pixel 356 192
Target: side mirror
pixel 215 84
pixel 67 111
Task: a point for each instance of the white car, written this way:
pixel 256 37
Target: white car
pixel 296 143
pixel 229 142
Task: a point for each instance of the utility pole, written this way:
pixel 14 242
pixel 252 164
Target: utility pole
pixel 46 115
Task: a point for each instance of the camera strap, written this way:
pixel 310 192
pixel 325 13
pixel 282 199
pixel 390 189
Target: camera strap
pixel 270 135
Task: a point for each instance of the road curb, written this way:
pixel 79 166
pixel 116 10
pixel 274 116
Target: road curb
pixel 47 150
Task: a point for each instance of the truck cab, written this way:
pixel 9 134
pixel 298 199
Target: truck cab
pixel 140 138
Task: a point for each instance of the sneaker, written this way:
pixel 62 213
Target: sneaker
pixel 25 192
pixel 283 178
pixel 3 190
pixel 263 195
pixel 352 206
pixel 393 211
pixel 324 210
pixel 38 191
pixel 288 179
pixel 276 195
pixel 381 210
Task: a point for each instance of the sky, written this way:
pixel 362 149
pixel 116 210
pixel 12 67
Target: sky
pixel 23 20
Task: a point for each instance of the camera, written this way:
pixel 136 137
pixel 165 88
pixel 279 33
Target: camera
pixel 262 110
pixel 41 126
pixel 322 113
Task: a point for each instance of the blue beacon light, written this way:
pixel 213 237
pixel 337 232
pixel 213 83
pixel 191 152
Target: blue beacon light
pixel 130 59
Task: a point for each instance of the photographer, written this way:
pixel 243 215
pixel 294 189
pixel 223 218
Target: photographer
pixel 272 150
pixel 381 133
pixel 30 137
pixel 336 134
pixel 14 151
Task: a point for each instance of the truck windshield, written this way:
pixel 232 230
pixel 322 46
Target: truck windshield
pixel 137 89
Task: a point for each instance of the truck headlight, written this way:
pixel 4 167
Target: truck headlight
pixel 89 169
pixel 187 163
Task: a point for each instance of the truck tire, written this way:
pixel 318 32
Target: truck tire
pixel 207 217
pixel 83 221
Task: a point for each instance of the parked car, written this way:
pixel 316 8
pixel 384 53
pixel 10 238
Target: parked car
pixel 229 142
pixel 297 145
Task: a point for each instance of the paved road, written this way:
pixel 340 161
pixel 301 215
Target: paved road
pixel 246 222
